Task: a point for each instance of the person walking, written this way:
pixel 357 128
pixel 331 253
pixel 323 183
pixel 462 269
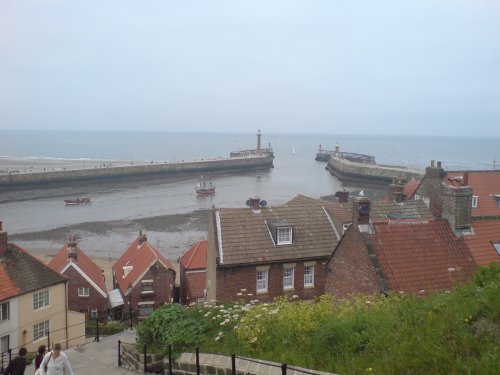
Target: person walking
pixel 18 364
pixel 39 356
pixel 55 362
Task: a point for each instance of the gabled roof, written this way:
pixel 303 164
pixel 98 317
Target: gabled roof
pixel 82 264
pixel 196 257
pixel 410 188
pixel 480 244
pixel 21 273
pixel 406 210
pixel 485 184
pixel 139 256
pixel 421 256
pixel 342 211
pixel 244 236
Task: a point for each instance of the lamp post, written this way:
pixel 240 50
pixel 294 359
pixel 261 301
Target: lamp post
pixel 130 304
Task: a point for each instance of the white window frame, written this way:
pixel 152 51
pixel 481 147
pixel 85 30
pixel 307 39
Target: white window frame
pixel 147 286
pixel 149 306
pixel 41 299
pixel 262 281
pixel 83 291
pixel 288 277
pixel 284 235
pixel 4 311
pixel 496 246
pixel 40 330
pixel 4 344
pixel 94 314
pixel 308 276
pixel 475 200
pixel 427 201
pixel 417 197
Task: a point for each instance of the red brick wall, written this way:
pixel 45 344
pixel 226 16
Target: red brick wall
pixel 350 269
pixel 193 286
pixel 84 304
pixel 163 287
pixel 230 281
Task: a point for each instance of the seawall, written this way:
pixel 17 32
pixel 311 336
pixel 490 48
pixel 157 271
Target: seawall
pixel 348 170
pixel 138 171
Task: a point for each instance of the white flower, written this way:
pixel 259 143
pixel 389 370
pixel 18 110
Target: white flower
pixel 243 290
pixel 253 339
pixel 217 338
pixel 295 296
pixel 239 294
pixel 250 294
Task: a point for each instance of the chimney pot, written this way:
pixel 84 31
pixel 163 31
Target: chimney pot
pixel 361 210
pixel 439 164
pixel 3 240
pixel 432 163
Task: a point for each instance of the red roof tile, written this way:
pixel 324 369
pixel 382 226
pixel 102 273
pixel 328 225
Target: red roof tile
pixel 196 257
pixel 410 187
pixel 139 257
pixel 484 184
pixel 480 244
pixel 8 289
pixel 87 265
pixel 417 257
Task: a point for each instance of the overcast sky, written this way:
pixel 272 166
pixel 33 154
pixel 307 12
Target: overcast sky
pixel 325 66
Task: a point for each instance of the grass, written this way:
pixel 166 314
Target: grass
pixel 456 332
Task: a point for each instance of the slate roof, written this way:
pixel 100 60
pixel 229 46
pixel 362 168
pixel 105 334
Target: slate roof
pixel 480 243
pixel 416 257
pixel 246 237
pixel 485 184
pixel 407 210
pixel 60 262
pixel 22 273
pixel 196 257
pixel 342 211
pixel 140 257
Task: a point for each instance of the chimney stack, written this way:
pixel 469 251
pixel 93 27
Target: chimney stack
pixel 3 240
pixel 142 237
pixel 343 196
pixel 396 189
pixel 431 187
pixel 457 206
pixel 254 203
pixel 72 250
pixel 465 179
pixel 361 210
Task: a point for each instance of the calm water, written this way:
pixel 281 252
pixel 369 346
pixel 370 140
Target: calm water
pixel 294 173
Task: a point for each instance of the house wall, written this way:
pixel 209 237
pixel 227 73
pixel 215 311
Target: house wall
pixel 10 327
pixel 163 287
pixel 84 304
pixel 76 321
pixel 192 285
pixel 230 281
pixel 350 269
pixel 55 313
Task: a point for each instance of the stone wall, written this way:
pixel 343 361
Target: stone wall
pixel 98 174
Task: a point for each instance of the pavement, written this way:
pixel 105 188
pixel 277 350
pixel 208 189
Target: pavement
pixel 96 358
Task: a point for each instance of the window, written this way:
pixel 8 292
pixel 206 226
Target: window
pixel 94 314
pixel 40 299
pixel 475 198
pixel 496 246
pixel 40 330
pixel 262 281
pixel 145 310
pixel 417 197
pixel 427 201
pixel 288 278
pixel 284 236
pixel 309 276
pixel 83 291
pixel 4 344
pixel 4 311
pixel 147 287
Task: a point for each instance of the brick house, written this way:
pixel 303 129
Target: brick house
pixel 269 252
pixel 418 256
pixel 87 291
pixel 33 302
pixel 470 200
pixel 193 268
pixel 145 278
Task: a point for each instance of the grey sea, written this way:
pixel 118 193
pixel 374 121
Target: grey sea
pixel 295 172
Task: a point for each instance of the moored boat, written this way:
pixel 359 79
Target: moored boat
pixel 204 188
pixel 76 201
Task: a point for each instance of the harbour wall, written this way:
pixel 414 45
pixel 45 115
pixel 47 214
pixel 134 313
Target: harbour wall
pixel 135 171
pixel 348 170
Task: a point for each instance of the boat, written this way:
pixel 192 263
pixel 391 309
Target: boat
pixel 77 201
pixel 204 187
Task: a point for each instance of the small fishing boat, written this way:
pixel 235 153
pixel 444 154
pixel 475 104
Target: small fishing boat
pixel 204 187
pixel 77 201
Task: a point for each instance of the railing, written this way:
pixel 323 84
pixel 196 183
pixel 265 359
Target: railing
pixel 282 368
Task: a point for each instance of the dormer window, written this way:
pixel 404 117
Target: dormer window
pixel 475 198
pixel 281 232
